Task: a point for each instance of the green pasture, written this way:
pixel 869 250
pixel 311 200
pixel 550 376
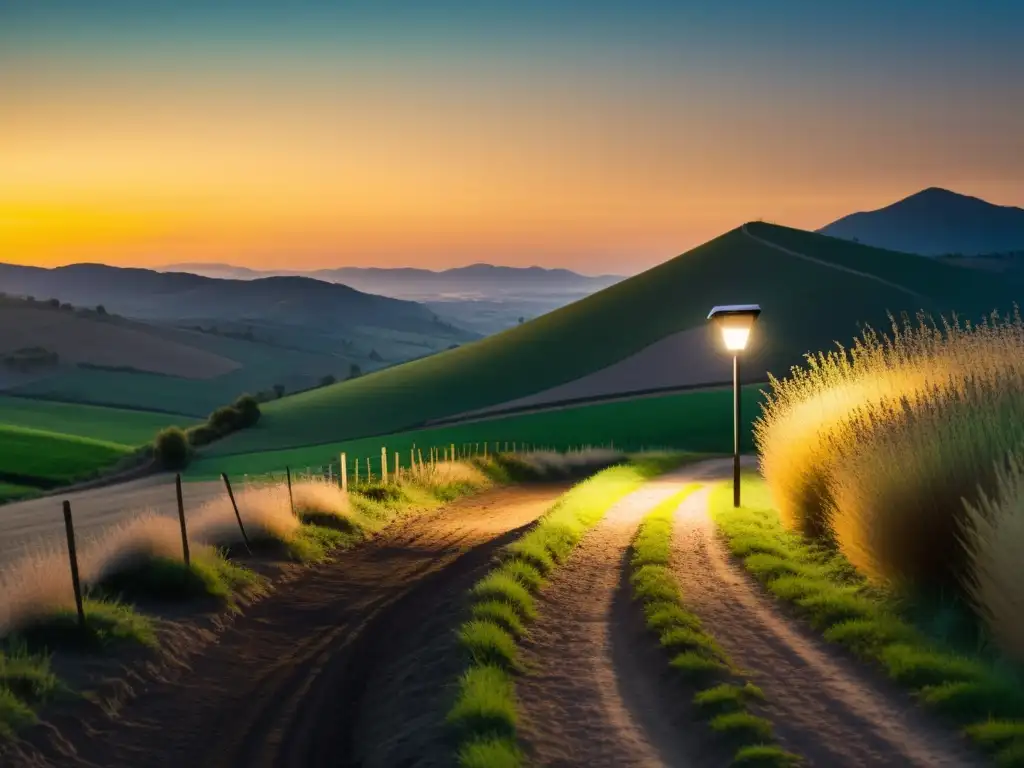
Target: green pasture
pixel 13 491
pixel 694 421
pixel 36 457
pixel 806 306
pixel 114 425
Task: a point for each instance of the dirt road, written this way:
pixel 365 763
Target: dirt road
pixel 590 698
pixel 598 693
pixel 40 522
pixel 825 706
pixel 308 676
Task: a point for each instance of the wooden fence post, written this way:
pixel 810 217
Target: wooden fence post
pixel 453 451
pixel 384 465
pixel 69 527
pixel 419 454
pixel 291 499
pixel 344 472
pixel 181 519
pixel 398 467
pixel 412 460
pixel 234 505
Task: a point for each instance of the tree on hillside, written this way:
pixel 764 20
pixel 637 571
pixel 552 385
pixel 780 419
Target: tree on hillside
pixel 375 356
pixel 279 390
pixel 327 380
pixel 354 371
pixel 100 309
pixel 55 303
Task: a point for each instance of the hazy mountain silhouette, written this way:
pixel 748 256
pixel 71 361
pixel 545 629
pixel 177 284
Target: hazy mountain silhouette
pixel 173 296
pixel 484 280
pixel 936 222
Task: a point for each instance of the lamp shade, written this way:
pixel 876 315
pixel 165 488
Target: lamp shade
pixel 734 322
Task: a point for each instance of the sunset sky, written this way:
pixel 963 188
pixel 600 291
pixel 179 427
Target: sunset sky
pixel 599 136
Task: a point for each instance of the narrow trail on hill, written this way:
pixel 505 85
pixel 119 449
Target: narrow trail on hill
pixel 824 704
pixel 829 264
pixel 592 696
pixel 292 682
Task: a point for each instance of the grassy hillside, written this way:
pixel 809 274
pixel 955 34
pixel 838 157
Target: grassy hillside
pixel 806 307
pixel 39 458
pixel 114 425
pixel 697 421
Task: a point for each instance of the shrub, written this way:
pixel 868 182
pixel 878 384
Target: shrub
pixel 248 408
pixel 172 449
pixel 905 434
pixel 225 419
pixel 201 435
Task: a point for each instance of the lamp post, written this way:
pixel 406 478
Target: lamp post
pixel 735 322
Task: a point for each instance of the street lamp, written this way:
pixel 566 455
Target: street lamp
pixel 735 322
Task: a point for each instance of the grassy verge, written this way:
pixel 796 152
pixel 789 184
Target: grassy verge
pixel 981 694
pixel 723 697
pixel 485 714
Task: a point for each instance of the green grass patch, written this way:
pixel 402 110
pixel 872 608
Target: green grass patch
pixel 170 580
pixel 743 727
pixel 727 697
pixel 967 688
pixel 631 425
pixel 13 491
pixel 501 613
pixel 764 756
pixel 54 458
pixel 107 624
pixel 721 697
pixel 489 644
pixel 503 604
pixel 490 752
pixel 115 425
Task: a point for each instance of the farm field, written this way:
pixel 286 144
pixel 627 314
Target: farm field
pixel 39 458
pixel 807 306
pixel 115 425
pixel 696 421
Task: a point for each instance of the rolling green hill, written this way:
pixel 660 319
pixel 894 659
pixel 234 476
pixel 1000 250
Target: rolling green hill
pixel 114 425
pixel 807 305
pixel 695 421
pixel 34 457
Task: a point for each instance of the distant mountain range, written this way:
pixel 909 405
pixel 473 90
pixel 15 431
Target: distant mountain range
pixel 473 281
pixel 936 222
pixel 178 297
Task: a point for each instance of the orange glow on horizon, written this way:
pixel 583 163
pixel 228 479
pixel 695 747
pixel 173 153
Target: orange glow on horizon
pixel 276 175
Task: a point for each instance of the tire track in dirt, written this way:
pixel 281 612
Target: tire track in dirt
pixel 284 685
pixel 824 704
pixel 590 698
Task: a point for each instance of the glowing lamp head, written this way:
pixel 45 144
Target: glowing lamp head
pixel 735 322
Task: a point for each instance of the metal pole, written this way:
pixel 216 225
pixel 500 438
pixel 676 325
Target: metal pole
pixel 736 430
pixel 69 527
pixel 181 518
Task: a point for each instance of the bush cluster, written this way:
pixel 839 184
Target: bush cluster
pixel 905 452
pixel 174 447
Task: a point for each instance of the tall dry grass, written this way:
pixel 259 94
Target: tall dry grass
pixel 39 583
pixel 901 452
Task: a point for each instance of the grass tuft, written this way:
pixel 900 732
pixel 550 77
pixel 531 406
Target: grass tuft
pixel 765 756
pixel 743 727
pixel 503 614
pixel 489 644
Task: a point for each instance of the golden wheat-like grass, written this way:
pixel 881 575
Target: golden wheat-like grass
pixel 892 450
